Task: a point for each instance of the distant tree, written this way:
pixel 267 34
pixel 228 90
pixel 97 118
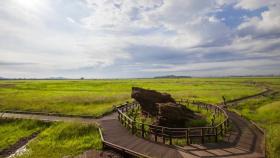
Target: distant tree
pixel 82 78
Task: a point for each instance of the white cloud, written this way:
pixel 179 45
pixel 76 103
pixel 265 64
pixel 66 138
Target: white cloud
pixel 246 64
pixel 255 4
pixel 70 20
pixel 267 24
pixel 56 36
pixel 251 4
pixel 35 39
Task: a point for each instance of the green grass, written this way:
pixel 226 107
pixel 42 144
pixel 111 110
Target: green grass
pixel 265 111
pixel 96 97
pixel 64 139
pixel 11 131
pixel 207 117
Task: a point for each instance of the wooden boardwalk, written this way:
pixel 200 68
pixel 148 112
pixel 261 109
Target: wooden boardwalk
pixel 245 140
pixel 116 134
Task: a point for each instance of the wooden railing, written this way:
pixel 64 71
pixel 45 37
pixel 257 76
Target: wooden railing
pixel 166 135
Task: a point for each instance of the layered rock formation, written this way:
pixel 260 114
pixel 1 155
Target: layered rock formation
pixel 174 115
pixel 163 106
pixel 149 98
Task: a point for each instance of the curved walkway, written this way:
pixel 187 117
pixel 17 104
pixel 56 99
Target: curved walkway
pixel 245 140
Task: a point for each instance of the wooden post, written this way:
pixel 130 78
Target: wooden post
pixel 208 132
pixel 142 130
pixel 119 116
pixel 221 126
pixel 125 123
pixel 163 135
pixel 170 139
pixel 224 100
pixel 227 123
pixel 187 136
pixel 202 135
pixel 216 135
pixel 133 127
pixel 156 135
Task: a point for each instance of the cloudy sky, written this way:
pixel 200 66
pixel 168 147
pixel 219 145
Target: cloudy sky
pixel 143 38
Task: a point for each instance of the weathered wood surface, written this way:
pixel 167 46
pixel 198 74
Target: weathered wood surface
pixel 115 133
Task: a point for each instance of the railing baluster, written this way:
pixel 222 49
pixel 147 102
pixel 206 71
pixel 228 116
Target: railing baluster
pixel 216 134
pixel 163 135
pixel 142 130
pixel 202 135
pixel 188 136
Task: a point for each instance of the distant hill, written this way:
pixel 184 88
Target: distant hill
pixel 172 76
pixel 56 78
pixel 2 78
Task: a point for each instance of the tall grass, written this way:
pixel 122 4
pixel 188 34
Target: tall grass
pixel 96 97
pixel 265 111
pixel 11 131
pixel 64 139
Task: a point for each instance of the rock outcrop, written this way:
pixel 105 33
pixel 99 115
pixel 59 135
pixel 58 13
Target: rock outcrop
pixel 148 99
pixel 163 106
pixel 174 115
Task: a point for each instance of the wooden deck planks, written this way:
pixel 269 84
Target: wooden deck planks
pixel 114 132
pixel 241 142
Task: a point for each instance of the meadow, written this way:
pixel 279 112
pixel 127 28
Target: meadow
pixel 11 131
pixel 265 111
pixel 97 97
pixel 64 139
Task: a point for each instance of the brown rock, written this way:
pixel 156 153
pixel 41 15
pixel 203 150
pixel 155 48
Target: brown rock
pixel 148 99
pixel 174 115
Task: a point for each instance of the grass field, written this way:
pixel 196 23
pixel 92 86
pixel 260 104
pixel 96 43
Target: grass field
pixel 64 139
pixel 265 111
pixel 11 131
pixel 96 97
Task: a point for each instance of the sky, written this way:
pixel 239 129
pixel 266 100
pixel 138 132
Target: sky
pixel 143 38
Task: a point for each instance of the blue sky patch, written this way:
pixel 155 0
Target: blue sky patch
pixel 233 17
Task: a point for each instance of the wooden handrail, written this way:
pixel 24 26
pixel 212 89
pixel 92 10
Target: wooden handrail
pixel 157 131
